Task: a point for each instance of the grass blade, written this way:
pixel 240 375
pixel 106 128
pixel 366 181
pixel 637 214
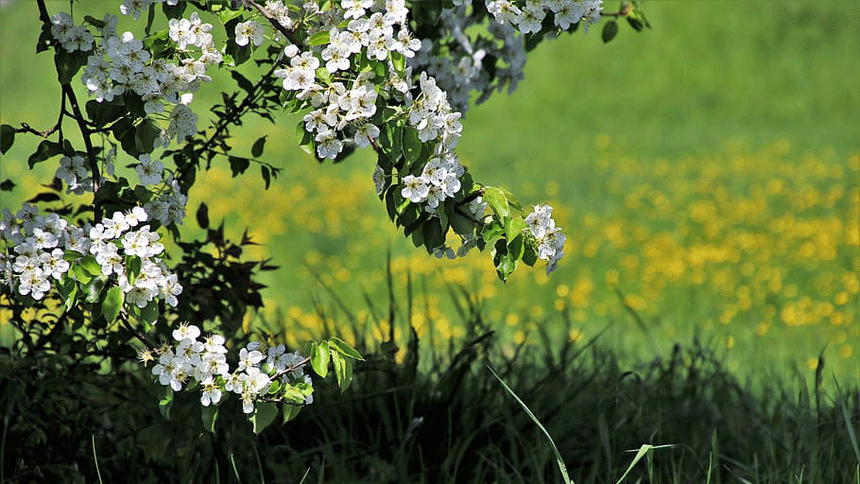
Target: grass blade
pixel 851 434
pixel 322 471
pixel 561 467
pixel 96 458
pixel 644 450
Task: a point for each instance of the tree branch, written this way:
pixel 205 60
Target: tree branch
pixel 272 20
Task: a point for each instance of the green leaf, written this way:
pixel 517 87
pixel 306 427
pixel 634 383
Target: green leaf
pixel 496 199
pixel 514 226
pixel 516 247
pixel 46 38
pixel 149 314
pixel 81 274
pixel 238 165
pixel 132 265
pixel 433 236
pixel 166 403
pixel 529 255
pixel 257 149
pixel 124 132
pixel 93 290
pixel 512 200
pixel 242 81
pixel 45 150
pixel 399 62
pixel 610 30
pixel 380 68
pixel 492 231
pixel 173 11
pixel 104 113
pixel 145 135
pixel 203 216
pixel 227 15
pixel 264 415
pixel 112 304
pixel 644 450
pixel 70 297
pixel 320 355
pixel 68 64
pixel 505 263
pixel 410 214
pixel 341 347
pixel 90 264
pixel 304 138
pixel 417 238
pixel 636 18
pixel 412 146
pixel 320 38
pixel 266 174
pixel 342 370
pixel 293 394
pixel 7 138
pixel 208 416
pixel 291 411
pixel 461 224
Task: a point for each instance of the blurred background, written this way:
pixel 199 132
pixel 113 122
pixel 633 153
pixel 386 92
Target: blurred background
pixel 705 172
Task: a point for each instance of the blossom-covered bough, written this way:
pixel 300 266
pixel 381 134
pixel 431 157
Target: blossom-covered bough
pixel 388 75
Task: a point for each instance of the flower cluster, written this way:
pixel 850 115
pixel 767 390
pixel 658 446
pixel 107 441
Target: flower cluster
pixel 74 172
pixel 459 67
pixel 529 18
pixel 46 247
pixel 205 363
pixel 112 241
pixel 431 115
pixel 550 240
pixel 459 64
pixel 39 244
pixel 120 64
pixel 168 206
pixel 342 108
pixel 70 36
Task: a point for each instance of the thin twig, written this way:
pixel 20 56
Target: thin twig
pixel 293 368
pixel 272 20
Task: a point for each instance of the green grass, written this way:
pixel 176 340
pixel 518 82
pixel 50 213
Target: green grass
pixel 757 84
pixel 439 416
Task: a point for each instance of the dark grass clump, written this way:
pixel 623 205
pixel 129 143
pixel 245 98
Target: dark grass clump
pixel 452 422
pixel 438 416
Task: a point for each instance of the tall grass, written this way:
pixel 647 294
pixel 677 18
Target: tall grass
pixel 448 420
pixel 433 413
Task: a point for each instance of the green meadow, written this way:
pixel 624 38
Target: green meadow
pixel 705 172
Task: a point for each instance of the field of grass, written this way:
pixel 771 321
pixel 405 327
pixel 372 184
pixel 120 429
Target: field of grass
pixel 705 171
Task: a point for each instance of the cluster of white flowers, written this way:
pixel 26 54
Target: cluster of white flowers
pixel 205 362
pixel 120 63
pixel 70 36
pixel 39 244
pixel 135 7
pixel 550 239
pixel 168 207
pixel 458 65
pixel 149 170
pixel 112 240
pixel 74 172
pixel 529 18
pixel 44 246
pixel 343 107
